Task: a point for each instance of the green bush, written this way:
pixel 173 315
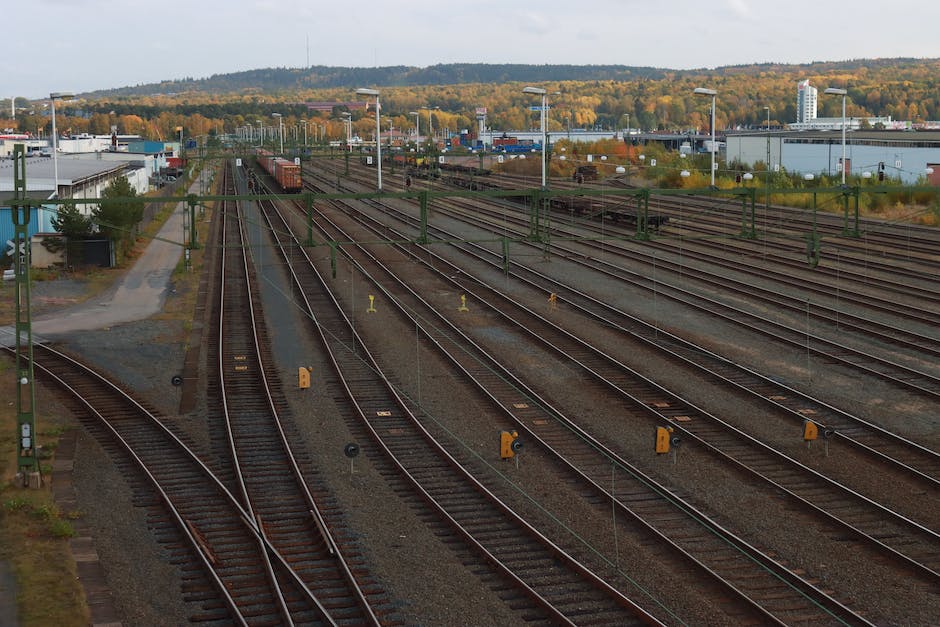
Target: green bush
pixel 59 528
pixel 16 504
pixel 44 512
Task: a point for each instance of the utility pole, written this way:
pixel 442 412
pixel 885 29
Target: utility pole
pixel 28 469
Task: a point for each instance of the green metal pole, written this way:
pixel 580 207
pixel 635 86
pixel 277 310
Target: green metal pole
pixel 812 246
pixel 642 215
pixel 534 202
pixel 423 199
pixel 193 243
pixel 748 232
pixel 308 201
pixel 27 460
pixel 846 231
pixel 547 212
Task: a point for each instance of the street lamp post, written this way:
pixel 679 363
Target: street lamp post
pixel 417 115
pixel 767 168
pixel 543 93
pixel 702 91
pixel 347 124
pixel 840 92
pixel 280 129
pixel 362 91
pixel 180 155
pixel 56 95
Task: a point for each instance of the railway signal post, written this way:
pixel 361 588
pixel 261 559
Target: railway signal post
pixel 27 459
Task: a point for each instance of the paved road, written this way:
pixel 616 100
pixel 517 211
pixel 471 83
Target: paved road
pixel 139 294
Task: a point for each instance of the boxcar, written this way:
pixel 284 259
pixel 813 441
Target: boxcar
pixel 287 174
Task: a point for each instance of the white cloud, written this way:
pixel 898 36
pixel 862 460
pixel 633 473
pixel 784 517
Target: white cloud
pixel 740 8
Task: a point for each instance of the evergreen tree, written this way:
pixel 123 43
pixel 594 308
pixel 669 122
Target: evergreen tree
pixel 75 227
pixel 119 213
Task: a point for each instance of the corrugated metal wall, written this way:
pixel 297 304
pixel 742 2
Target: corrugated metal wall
pixel 40 221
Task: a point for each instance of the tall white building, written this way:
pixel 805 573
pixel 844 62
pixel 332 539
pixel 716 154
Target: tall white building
pixel 806 96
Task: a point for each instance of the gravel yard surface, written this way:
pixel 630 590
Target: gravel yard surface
pixel 427 576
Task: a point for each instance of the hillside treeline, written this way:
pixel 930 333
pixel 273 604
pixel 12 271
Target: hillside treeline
pixel 587 97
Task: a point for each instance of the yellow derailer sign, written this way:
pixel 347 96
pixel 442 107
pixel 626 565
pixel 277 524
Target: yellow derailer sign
pixel 509 444
pixel 303 378
pixel 662 439
pixel 810 431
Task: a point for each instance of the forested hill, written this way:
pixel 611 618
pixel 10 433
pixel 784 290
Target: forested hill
pixel 320 77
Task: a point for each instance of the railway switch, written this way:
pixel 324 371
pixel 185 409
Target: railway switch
pixel 303 378
pixel 810 431
pixel 663 439
pixel 509 444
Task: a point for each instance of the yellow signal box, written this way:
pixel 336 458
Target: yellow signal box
pixel 810 430
pixel 662 439
pixel 303 378
pixel 508 444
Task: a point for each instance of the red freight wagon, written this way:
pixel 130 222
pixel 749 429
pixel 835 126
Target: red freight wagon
pixel 287 175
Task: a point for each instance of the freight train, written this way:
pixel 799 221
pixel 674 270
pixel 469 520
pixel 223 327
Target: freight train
pixel 286 173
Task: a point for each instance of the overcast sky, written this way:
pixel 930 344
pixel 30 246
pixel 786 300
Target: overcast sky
pixel 83 45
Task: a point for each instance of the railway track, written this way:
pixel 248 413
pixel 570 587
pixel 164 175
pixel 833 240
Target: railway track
pixel 778 469
pixel 268 477
pixel 252 582
pixel 900 375
pixel 754 581
pixel 900 452
pixel 901 241
pixel 546 582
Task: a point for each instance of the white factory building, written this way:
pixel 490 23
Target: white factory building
pixel 904 154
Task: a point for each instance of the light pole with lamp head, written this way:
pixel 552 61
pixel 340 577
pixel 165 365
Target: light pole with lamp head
pixel 347 125
pixel 362 91
pixel 543 93
pixel 431 110
pixel 417 115
pixel 280 129
pixel 767 168
pixel 703 91
pixel 56 95
pixel 840 92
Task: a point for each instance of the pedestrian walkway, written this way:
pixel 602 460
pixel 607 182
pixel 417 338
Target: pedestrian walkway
pixel 137 295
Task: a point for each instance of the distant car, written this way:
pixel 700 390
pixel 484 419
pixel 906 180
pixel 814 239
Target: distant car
pixel 171 179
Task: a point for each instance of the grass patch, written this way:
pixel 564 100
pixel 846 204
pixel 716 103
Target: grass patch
pixel 34 534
